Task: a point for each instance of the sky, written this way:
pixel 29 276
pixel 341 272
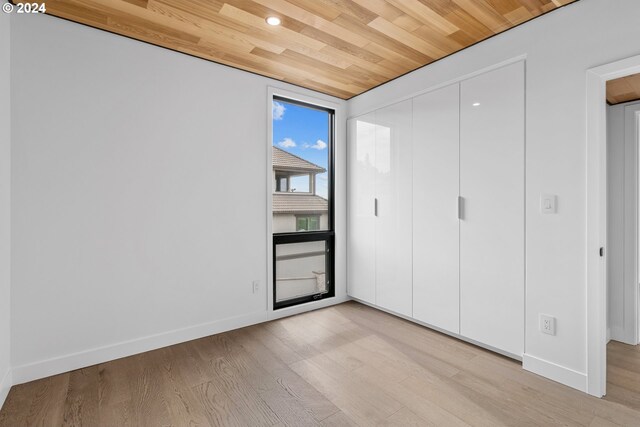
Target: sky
pixel 304 132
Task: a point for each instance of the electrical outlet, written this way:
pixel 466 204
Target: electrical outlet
pixel 256 286
pixel 547 324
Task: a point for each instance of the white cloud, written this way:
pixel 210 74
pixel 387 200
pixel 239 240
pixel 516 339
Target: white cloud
pixel 287 143
pixel 319 145
pixel 277 110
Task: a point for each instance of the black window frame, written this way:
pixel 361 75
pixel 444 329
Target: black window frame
pixel 312 236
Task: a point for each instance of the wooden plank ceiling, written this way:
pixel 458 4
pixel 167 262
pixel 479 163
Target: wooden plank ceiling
pixel 338 47
pixel 624 89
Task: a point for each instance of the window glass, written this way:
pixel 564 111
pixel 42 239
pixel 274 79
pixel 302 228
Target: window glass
pixel 308 223
pixel 301 270
pixel 303 236
pixel 300 167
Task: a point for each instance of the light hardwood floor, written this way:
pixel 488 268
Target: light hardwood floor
pixel 341 366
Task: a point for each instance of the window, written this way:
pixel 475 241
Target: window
pixel 308 223
pixel 303 236
pixel 282 183
pixel 302 158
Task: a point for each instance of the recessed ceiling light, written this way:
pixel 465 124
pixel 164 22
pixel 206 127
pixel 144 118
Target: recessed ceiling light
pixel 273 20
pixel 476 104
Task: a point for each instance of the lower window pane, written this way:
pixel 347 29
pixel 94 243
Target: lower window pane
pixel 300 270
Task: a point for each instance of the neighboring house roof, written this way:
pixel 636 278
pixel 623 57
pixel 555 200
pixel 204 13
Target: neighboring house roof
pixel 283 160
pixel 299 203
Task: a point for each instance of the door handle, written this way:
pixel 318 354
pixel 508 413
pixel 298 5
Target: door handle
pixel 460 207
pixel 375 206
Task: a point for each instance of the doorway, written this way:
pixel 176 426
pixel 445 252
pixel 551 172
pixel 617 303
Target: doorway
pixel 598 327
pixel 622 213
pixel 623 355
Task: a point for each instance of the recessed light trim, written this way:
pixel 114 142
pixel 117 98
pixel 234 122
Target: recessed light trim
pixel 273 21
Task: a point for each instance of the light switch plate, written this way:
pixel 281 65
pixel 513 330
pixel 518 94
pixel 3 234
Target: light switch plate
pixel 548 203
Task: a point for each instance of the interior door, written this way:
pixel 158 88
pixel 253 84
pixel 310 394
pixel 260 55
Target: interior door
pixel 362 228
pixel 492 225
pixel 394 208
pixel 436 137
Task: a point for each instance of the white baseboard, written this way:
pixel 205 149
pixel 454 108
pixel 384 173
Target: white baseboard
pixel 533 364
pixel 70 362
pixel 5 385
pixel 621 335
pixel 45 368
pixel 555 372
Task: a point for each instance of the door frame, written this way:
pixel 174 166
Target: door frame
pixel 596 268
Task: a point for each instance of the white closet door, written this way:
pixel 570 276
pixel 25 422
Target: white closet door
pixel 436 295
pixel 492 227
pixel 393 192
pixel 361 230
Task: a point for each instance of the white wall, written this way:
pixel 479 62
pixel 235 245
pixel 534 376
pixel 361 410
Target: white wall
pixel 622 204
pixel 559 47
pixel 5 199
pixel 139 196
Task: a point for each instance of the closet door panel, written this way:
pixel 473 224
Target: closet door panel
pixel 492 226
pixel 361 254
pixel 393 192
pixel 435 208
